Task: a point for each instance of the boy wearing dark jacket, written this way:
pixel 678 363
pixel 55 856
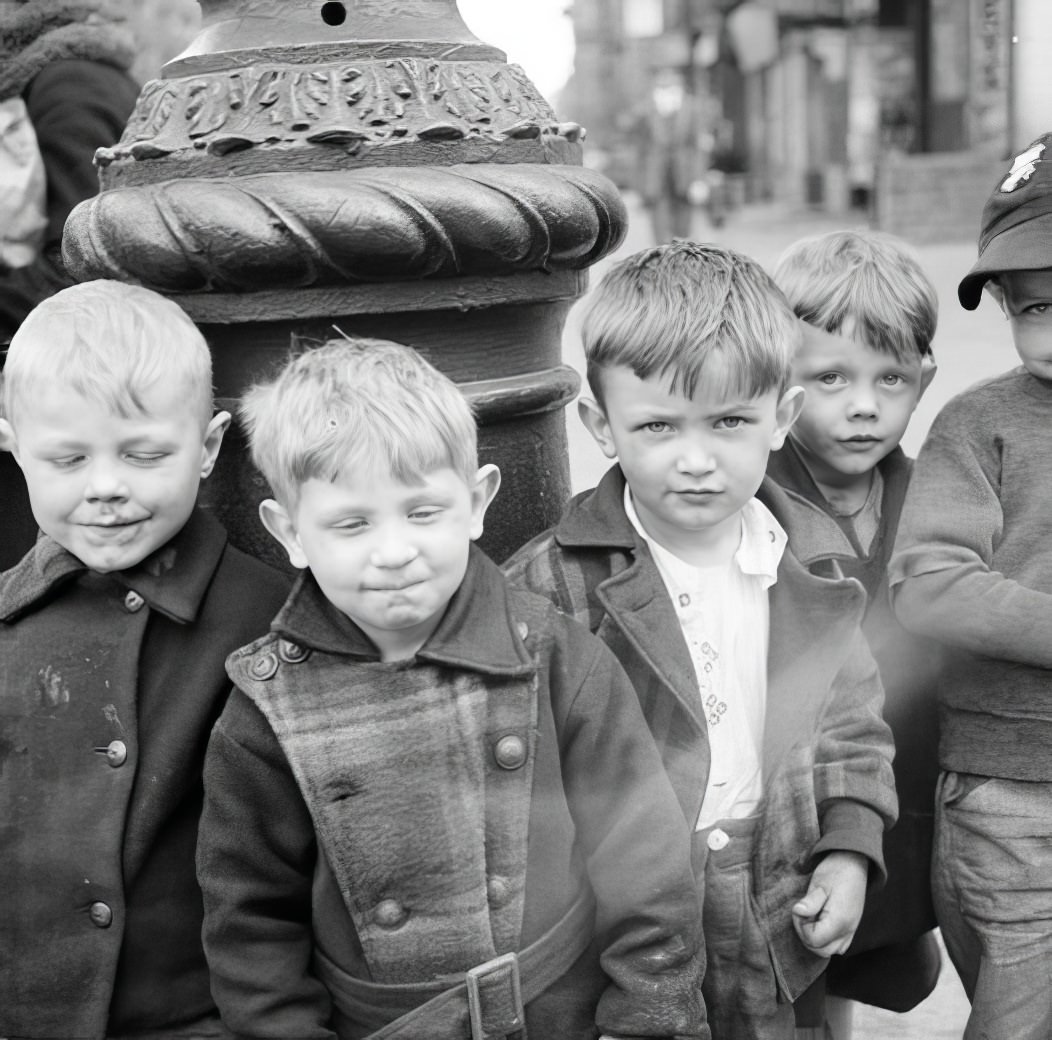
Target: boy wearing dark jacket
pixel 113 633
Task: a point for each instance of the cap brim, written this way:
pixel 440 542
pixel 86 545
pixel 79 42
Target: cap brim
pixel 1025 247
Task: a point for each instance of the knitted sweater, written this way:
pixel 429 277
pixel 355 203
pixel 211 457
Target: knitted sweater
pixel 972 568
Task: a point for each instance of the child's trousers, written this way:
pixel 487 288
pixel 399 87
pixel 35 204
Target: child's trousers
pixel 992 884
pixel 740 988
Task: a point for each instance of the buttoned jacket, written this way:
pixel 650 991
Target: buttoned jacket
pixel 109 686
pixel 401 822
pixel 908 665
pixel 826 751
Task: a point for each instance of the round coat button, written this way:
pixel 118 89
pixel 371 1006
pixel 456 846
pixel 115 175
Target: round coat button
pixel 717 839
pixel 264 666
pixel 292 653
pixel 133 601
pixel 101 915
pixel 117 753
pixel 498 890
pixel 389 913
pixel 510 752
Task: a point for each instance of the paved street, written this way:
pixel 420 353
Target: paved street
pixel 968 346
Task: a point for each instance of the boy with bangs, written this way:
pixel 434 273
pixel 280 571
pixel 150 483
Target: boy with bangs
pixel 113 634
pixel 868 316
pixel 972 570
pixel 752 673
pixel 432 806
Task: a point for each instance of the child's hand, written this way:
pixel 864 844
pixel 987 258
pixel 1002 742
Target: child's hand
pixel 826 918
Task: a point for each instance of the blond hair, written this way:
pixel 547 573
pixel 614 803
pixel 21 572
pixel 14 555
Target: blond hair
pixel 357 403
pixel 111 343
pixel 868 277
pixel 691 309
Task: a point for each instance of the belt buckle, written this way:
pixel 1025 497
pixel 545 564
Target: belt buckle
pixel 509 1020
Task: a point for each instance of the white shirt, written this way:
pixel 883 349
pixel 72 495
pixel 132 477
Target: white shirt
pixel 724 614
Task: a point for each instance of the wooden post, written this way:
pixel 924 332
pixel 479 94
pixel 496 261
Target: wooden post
pixel 369 166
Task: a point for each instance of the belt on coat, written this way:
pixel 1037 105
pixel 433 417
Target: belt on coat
pixel 493 994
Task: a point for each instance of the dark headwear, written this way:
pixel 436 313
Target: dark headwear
pixel 1016 230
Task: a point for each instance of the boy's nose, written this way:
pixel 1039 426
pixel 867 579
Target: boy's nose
pixel 695 458
pixel 105 484
pixel 393 553
pixel 864 403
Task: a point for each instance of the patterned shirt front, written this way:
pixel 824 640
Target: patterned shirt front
pixel 724 614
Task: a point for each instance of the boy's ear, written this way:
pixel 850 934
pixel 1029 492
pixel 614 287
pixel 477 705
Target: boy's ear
pixel 928 370
pixel 7 438
pixel 213 441
pixel 786 413
pixel 278 522
pixel 487 481
pixel 595 422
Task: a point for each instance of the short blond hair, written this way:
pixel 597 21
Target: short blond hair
pixel 870 277
pixel 111 343
pixel 357 403
pixel 688 309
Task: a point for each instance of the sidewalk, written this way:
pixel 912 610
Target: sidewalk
pixel 969 346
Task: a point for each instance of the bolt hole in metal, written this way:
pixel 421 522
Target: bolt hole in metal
pixel 333 13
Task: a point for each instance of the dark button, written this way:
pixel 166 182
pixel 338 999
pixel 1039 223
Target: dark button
pixel 510 752
pixel 498 890
pixel 117 753
pixel 133 601
pixel 101 915
pixel 263 666
pixel 292 653
pixel 389 913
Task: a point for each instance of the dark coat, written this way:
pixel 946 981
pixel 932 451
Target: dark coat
pixel 109 687
pixel 335 770
pixel 827 753
pixel 902 911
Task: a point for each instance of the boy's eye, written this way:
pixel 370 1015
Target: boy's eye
pixel 892 379
pixel 657 427
pixel 425 514
pixel 145 458
pixel 831 379
pixel 351 526
pixel 730 422
pixel 68 461
pixel 1037 308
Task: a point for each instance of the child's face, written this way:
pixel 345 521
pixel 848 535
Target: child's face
pixel 857 404
pixel 109 489
pixel 388 555
pixel 691 463
pixel 1026 299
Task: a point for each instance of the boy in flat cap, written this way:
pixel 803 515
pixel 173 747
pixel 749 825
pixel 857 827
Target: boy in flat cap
pixel 973 568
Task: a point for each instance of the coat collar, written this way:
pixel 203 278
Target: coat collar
pixel 815 534
pixel 173 580
pixel 478 630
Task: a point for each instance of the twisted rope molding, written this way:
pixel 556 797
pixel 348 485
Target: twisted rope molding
pixel 375 224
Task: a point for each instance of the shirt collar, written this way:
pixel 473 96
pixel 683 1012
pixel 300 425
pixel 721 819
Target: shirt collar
pixel 759 553
pixel 477 630
pixel 173 580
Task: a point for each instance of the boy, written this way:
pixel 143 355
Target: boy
pixel 113 633
pixel 869 314
pixel 971 568
pixel 422 772
pixel 752 673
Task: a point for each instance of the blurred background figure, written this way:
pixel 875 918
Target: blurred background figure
pixel 71 70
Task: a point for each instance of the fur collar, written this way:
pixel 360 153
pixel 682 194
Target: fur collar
pixel 40 32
